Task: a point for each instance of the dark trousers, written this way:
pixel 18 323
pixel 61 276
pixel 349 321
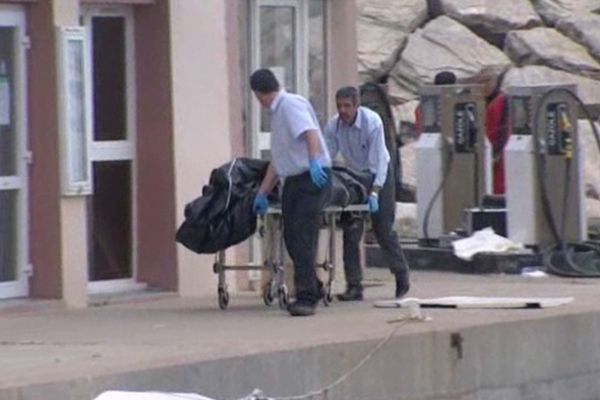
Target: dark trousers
pixel 383 228
pixel 302 203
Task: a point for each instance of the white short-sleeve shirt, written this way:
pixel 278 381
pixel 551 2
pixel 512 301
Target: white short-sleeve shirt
pixel 292 116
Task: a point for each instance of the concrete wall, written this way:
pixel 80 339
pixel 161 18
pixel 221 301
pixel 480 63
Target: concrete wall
pixel 502 361
pixel 200 117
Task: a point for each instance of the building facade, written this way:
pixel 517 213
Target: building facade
pixel 114 112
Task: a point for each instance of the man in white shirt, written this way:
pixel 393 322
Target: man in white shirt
pixel 300 158
pixel 357 133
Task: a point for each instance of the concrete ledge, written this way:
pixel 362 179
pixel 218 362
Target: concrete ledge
pixel 462 354
pixel 551 358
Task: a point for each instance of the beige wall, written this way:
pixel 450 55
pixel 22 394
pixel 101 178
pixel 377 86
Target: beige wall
pixel 73 210
pixel 341 46
pixel 201 117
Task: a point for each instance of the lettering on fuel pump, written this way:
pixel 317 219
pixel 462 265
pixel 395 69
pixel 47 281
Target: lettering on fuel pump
pixel 556 129
pixel 465 128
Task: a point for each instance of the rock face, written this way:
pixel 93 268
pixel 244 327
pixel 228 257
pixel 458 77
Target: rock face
pixel 546 46
pixel 383 27
pixel 492 16
pixel 455 47
pixel 378 49
pixel 406 15
pixel 583 29
pixel 553 10
pixel 587 89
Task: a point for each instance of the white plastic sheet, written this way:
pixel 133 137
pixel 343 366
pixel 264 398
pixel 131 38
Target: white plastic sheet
pixel 484 241
pixel 123 395
pixel 476 302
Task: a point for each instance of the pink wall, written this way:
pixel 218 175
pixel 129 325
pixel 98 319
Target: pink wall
pixel 43 133
pixel 156 188
pixel 237 134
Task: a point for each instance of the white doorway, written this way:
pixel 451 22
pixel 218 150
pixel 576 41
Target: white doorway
pixel 111 209
pixel 13 154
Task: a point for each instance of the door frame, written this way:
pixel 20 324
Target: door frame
pixel 117 150
pixel 14 16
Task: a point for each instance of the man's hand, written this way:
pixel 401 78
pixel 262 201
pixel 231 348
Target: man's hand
pixel 373 202
pixel 317 174
pixel 261 204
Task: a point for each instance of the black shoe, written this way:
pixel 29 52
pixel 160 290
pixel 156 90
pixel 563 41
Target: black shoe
pixel 301 309
pixel 352 293
pixel 402 286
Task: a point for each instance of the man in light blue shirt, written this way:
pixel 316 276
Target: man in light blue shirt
pixel 357 133
pixel 300 158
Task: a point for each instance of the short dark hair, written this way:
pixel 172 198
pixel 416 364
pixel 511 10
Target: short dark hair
pixel 444 78
pixel 264 81
pixel 347 92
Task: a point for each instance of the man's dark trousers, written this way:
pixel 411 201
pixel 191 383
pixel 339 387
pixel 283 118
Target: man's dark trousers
pixel 383 228
pixel 302 203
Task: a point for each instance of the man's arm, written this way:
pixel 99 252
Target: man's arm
pixel 379 157
pixel 317 174
pixel 312 141
pixel 269 181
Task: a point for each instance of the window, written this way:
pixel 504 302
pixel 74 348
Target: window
pixel 74 112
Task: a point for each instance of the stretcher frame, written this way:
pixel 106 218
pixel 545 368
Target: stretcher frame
pixel 276 286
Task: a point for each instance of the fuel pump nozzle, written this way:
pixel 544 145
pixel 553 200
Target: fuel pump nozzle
pixel 565 128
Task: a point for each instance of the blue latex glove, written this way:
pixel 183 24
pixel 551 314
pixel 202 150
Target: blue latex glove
pixel 373 202
pixel 317 174
pixel 261 203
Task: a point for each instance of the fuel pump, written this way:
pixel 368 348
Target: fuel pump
pixel 450 158
pixel 544 167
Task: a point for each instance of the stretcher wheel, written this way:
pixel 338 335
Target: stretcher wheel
pixel 268 294
pixel 223 298
pixel 282 297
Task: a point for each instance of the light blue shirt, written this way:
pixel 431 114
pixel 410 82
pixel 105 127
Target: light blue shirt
pixel 362 144
pixel 292 115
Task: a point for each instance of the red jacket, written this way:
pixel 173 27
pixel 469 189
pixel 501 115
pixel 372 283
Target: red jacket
pixel 498 132
pixel 418 120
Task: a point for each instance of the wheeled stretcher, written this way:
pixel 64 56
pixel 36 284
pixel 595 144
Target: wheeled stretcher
pixel 271 229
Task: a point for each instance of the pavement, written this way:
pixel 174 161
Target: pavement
pixel 43 342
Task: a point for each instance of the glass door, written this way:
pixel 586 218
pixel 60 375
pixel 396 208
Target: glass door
pixel 288 37
pixel 275 45
pixel 13 155
pixel 111 208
